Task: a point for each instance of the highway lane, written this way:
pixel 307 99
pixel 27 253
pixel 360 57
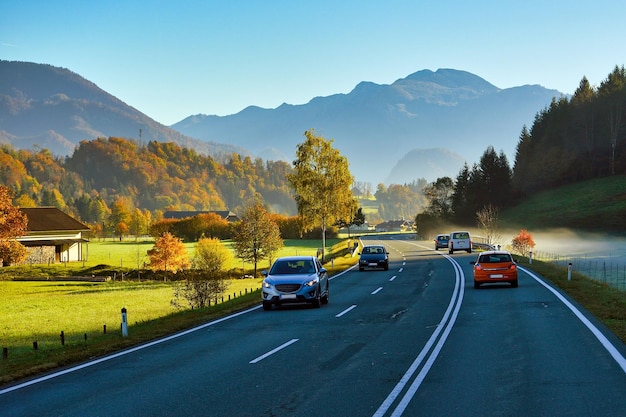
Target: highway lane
pixel 414 340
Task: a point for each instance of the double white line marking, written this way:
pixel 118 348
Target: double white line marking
pixel 429 352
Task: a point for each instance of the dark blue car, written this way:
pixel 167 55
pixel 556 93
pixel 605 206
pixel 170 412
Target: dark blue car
pixel 374 256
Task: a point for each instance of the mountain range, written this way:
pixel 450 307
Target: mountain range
pixel 425 125
pixel 42 106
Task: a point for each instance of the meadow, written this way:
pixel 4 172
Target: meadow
pixel 39 302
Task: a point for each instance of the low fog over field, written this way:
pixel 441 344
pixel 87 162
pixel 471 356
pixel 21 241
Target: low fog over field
pixel 599 256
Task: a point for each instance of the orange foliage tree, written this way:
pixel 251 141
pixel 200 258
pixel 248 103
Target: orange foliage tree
pixel 523 242
pixel 168 254
pixel 13 223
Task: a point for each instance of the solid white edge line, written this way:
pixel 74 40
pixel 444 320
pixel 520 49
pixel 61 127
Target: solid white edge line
pixel 271 352
pixel 346 310
pixel 619 358
pixel 124 352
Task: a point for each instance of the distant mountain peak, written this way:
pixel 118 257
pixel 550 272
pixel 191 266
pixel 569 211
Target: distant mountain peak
pixel 451 78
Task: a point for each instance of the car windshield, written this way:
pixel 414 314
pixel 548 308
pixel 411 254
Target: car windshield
pixel 494 258
pixel 292 267
pixel 370 250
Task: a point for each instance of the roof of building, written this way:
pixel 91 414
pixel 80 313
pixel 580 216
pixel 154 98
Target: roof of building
pixel 45 219
pixel 173 214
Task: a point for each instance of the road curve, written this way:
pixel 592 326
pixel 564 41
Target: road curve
pixel 417 340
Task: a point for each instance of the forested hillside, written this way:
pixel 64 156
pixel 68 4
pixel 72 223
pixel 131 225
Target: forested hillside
pixel 106 177
pixel 575 139
pixel 153 177
pixel 571 141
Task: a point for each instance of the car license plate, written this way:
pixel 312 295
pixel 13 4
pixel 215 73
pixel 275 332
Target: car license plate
pixel 287 296
pixel 372 264
pixel 496 276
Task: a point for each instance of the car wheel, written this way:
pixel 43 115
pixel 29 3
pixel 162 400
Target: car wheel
pixel 386 267
pixel 436 247
pixel 267 306
pixel 360 269
pixel 476 284
pixel 514 284
pixel 451 250
pixel 326 296
pixel 469 251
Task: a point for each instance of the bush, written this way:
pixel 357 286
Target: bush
pixel 198 289
pixel 523 242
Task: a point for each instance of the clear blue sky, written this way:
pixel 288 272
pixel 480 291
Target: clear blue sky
pixel 173 59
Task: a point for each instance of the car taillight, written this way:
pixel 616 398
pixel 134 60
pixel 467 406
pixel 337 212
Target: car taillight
pixel 513 266
pixel 478 267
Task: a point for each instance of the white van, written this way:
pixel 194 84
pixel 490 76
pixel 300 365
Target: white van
pixel 460 241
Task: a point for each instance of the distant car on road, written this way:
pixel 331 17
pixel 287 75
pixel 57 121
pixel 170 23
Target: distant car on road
pixel 495 266
pixel 374 256
pixel 441 241
pixel 295 279
pixel 460 241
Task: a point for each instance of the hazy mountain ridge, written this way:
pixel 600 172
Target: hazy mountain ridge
pixel 381 124
pixel 375 126
pixel 54 108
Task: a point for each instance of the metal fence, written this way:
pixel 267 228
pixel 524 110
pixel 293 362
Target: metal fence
pixel 612 271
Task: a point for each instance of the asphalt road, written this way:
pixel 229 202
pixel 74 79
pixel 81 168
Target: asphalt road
pixel 417 340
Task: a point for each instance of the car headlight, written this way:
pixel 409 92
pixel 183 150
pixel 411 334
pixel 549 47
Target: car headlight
pixel 266 284
pixel 311 283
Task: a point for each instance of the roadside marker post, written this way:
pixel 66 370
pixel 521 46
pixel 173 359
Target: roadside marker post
pixel 124 323
pixel 569 271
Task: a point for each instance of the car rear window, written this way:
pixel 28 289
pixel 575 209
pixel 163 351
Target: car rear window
pixel 463 235
pixel 494 258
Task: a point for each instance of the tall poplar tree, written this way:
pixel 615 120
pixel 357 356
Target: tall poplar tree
pixel 322 184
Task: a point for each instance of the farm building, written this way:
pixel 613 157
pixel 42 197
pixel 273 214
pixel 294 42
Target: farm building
pixel 53 236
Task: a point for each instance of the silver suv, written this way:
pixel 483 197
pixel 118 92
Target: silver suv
pixel 460 241
pixel 295 279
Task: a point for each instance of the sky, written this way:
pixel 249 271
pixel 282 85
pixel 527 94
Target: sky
pixel 174 59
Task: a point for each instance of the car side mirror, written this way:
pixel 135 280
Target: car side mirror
pixel 322 270
pixel 264 273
